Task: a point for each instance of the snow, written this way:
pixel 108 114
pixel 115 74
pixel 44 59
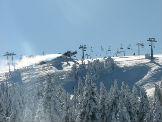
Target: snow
pixel 131 69
pixel 140 71
pixel 71 96
pixel 27 61
pixel 150 92
pixel 32 76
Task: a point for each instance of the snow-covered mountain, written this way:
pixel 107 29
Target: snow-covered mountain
pixel 43 87
pixel 134 70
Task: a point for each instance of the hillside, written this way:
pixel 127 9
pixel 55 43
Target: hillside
pixel 44 88
pixel 134 70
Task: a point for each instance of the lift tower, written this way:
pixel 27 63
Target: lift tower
pixel 87 55
pixel 7 54
pixel 151 40
pixel 83 48
pixel 12 55
pixel 139 45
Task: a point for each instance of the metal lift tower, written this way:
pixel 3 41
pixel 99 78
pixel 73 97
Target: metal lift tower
pixel 109 50
pixel 151 40
pixel 87 55
pixel 7 54
pixel 83 48
pixel 139 45
pixel 12 55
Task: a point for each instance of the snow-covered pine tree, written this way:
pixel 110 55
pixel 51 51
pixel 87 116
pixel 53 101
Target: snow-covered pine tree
pixel 75 103
pixel 89 106
pixel 74 72
pixel 113 118
pixel 144 106
pixel 77 98
pixel 79 94
pixel 2 114
pixel 134 104
pixel 80 87
pixel 67 109
pixel 109 64
pixel 157 108
pixel 50 102
pixel 103 102
pixel 40 115
pixel 6 99
pixel 47 101
pixel 125 98
pixel 17 103
pixel 61 104
pixel 113 101
pixel 161 92
pixel 2 111
pixel 97 66
pixel 158 93
pixel 149 117
pixel 122 114
pixel 31 103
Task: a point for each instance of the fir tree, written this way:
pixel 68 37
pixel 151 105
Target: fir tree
pixel 103 102
pixel 17 103
pixel 157 108
pixel 134 105
pixel 2 111
pixel 67 109
pixel 144 106
pixel 113 101
pixel 51 102
pixel 122 115
pixel 125 98
pixel 89 106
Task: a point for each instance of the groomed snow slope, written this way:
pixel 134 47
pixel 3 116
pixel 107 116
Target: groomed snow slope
pixel 134 70
pixel 26 61
pixel 148 72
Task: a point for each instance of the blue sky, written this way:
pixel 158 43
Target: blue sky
pixel 29 27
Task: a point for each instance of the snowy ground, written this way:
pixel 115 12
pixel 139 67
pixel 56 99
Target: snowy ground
pixel 153 74
pixel 131 69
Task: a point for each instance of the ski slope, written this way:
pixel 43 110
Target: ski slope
pixel 150 71
pixel 26 61
pixel 134 70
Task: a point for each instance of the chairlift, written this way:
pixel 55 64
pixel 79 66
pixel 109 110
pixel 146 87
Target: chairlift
pixel 142 45
pixel 121 47
pixel 129 47
pixel 102 49
pixel 109 49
